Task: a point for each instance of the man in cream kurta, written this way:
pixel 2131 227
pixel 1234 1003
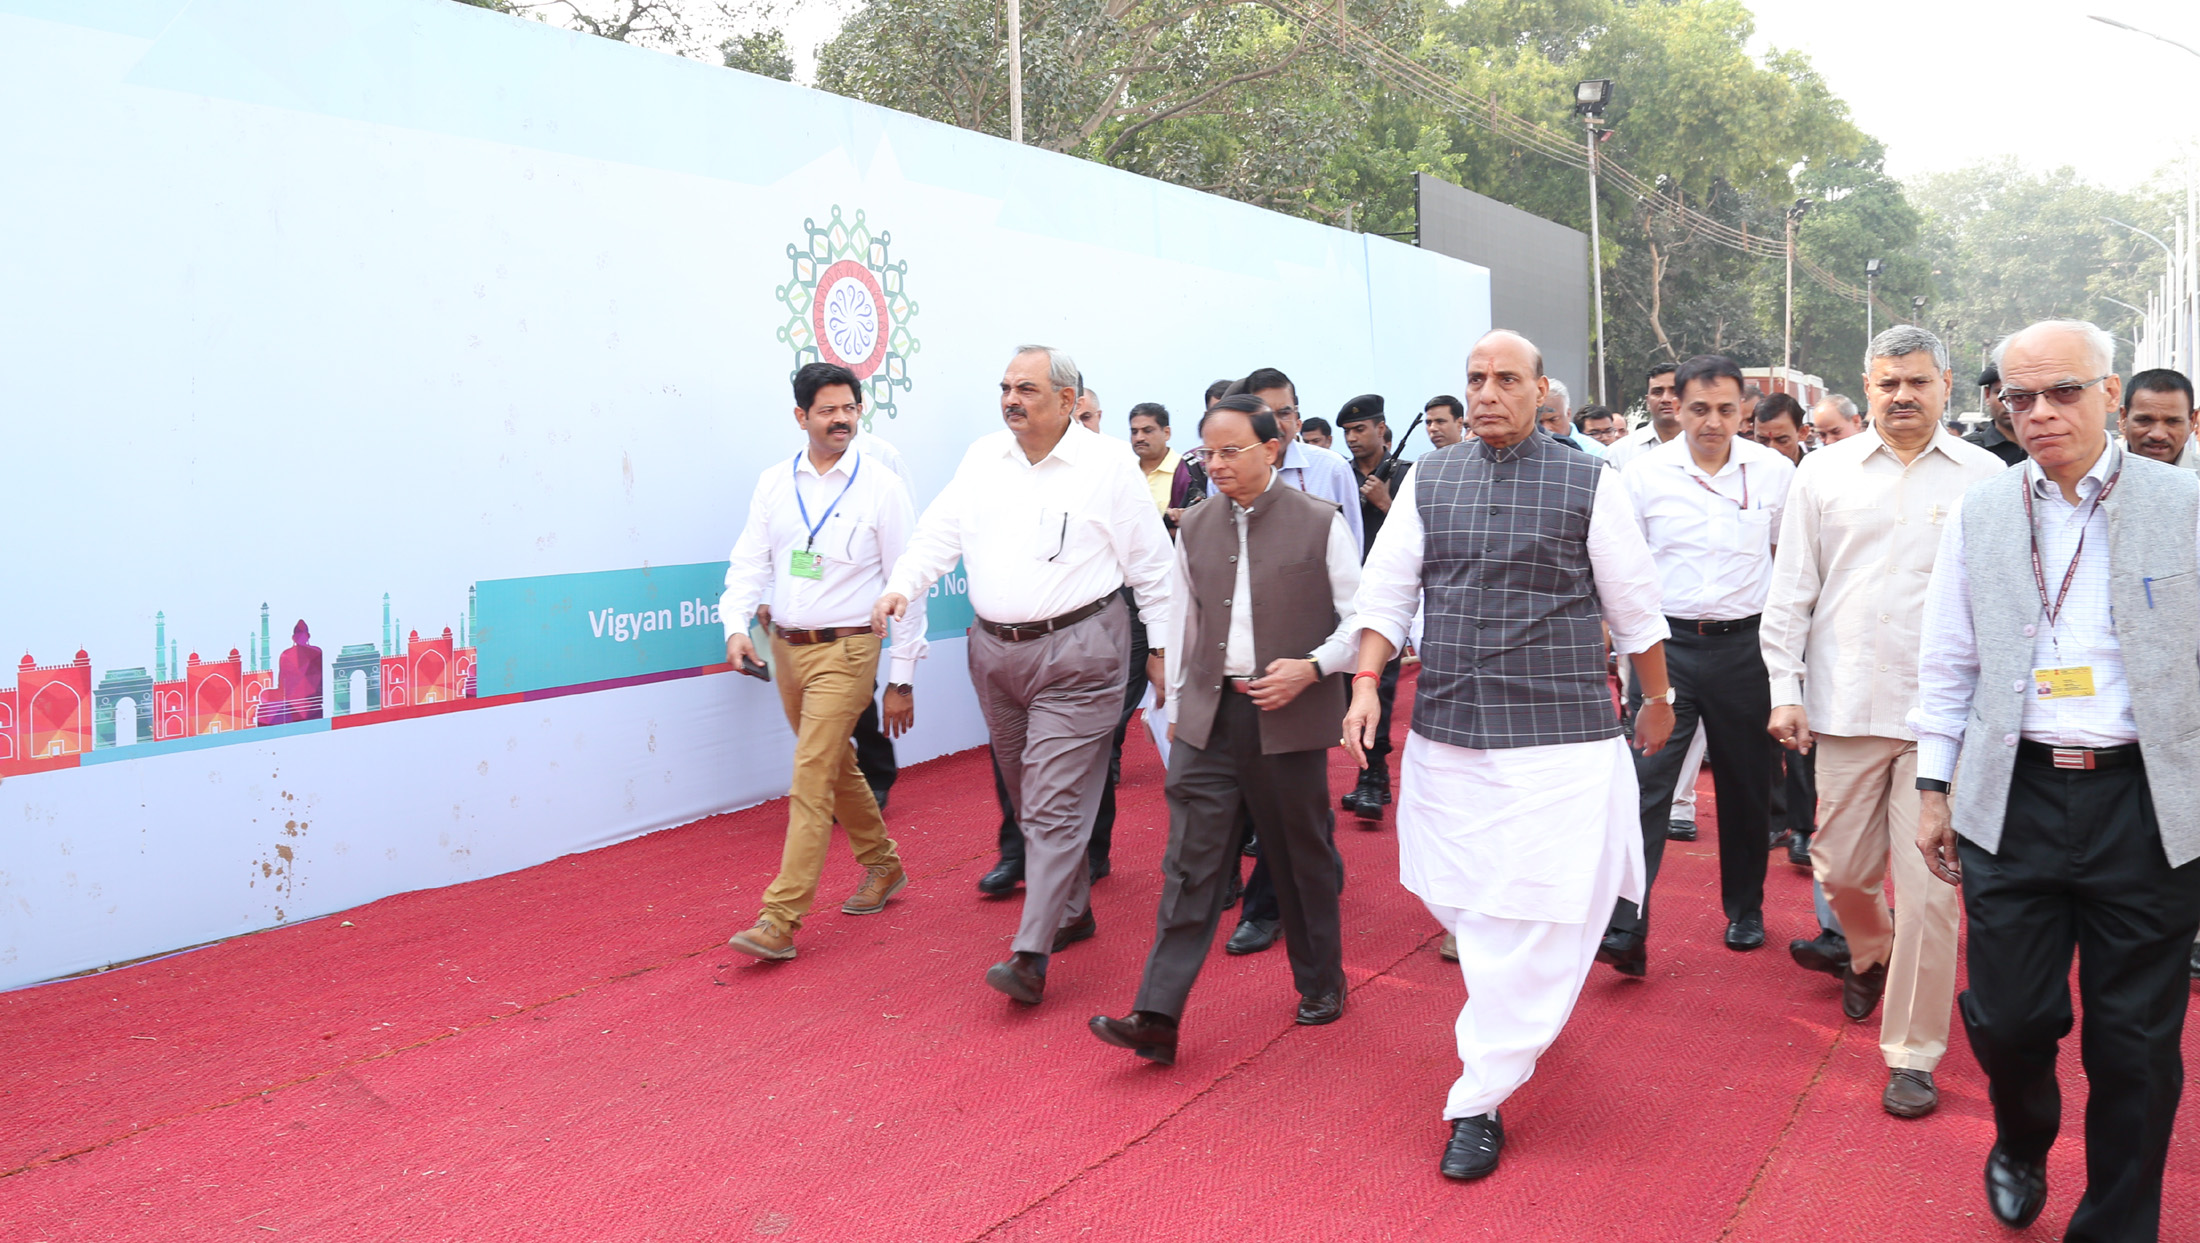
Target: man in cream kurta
pixel 1516 807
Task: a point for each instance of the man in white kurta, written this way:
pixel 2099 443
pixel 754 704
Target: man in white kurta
pixel 1516 808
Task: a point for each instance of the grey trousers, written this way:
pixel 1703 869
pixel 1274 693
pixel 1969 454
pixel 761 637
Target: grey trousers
pixel 1050 705
pixel 1288 797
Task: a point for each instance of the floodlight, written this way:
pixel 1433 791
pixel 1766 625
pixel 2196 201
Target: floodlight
pixel 1590 97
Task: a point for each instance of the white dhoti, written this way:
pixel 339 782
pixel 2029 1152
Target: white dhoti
pixel 1520 853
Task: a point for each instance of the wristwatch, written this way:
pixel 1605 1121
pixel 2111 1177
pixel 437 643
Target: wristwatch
pixel 904 687
pixel 1669 698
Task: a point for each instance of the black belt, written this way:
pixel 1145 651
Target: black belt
pixel 831 634
pixel 2125 756
pixel 1022 631
pixel 1682 625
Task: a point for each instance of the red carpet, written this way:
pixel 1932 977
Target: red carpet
pixel 570 1053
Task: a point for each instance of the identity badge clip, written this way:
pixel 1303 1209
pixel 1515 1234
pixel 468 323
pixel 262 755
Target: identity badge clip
pixel 2072 682
pixel 802 563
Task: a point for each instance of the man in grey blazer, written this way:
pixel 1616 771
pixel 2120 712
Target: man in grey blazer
pixel 2059 693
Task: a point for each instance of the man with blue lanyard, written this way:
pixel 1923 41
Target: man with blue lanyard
pixel 822 531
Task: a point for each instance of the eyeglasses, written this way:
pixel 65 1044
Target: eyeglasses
pixel 2021 400
pixel 1228 453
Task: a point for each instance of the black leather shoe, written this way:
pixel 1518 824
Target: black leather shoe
pixel 2015 1191
pixel 1828 954
pixel 1910 1094
pixel 2196 960
pixel 1150 1036
pixel 1366 799
pixel 1472 1152
pixel 1680 831
pixel 1003 879
pixel 879 796
pixel 1746 933
pixel 1081 928
pixel 1236 891
pixel 1322 1008
pixel 1023 977
pixel 1252 936
pixel 1251 848
pixel 1099 868
pixel 1776 838
pixel 1625 952
pixel 1799 850
pixel 1861 991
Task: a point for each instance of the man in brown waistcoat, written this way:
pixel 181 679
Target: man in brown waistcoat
pixel 1267 582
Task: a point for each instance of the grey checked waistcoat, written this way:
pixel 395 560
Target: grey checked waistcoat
pixel 2151 518
pixel 1512 650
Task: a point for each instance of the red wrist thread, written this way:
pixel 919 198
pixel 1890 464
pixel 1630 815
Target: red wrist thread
pixel 1357 676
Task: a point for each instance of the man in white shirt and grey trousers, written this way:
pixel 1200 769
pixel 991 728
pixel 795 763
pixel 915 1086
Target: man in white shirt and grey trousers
pixel 2061 666
pixel 1050 520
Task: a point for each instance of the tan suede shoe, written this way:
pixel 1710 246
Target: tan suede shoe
pixel 879 884
pixel 764 941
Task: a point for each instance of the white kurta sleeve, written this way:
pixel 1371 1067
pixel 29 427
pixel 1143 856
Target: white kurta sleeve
pixel 1390 580
pixel 1171 630
pixel 1797 579
pixel 936 544
pixel 897 520
pixel 1619 562
pixel 1340 651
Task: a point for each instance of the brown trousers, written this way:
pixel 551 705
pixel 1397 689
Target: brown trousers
pixel 824 687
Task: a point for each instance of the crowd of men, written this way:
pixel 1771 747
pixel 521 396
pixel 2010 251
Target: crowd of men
pixel 1967 663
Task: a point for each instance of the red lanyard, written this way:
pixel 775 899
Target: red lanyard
pixel 1743 503
pixel 2039 575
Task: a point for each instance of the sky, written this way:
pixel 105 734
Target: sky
pixel 1948 83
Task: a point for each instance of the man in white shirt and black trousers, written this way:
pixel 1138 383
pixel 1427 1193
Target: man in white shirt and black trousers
pixel 2061 667
pixel 1050 520
pixel 820 533
pixel 1709 504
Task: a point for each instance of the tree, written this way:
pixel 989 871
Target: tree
pixel 2009 247
pixel 763 53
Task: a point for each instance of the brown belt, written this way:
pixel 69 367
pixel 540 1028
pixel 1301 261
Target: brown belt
pixel 832 634
pixel 1025 631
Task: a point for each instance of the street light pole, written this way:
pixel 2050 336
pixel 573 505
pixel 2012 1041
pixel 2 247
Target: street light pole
pixel 2110 21
pixel 1015 71
pixel 1589 100
pixel 1871 283
pixel 1787 315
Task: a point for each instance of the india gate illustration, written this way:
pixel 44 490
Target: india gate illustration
pixel 54 711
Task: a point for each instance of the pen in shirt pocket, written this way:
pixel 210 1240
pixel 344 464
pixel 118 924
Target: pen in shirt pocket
pixel 2148 583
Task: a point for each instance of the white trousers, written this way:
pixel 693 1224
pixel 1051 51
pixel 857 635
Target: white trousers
pixel 1523 977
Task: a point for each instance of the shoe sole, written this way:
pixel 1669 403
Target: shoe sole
pixel 1002 980
pixel 1307 1022
pixel 1234 952
pixel 850 908
pixel 739 946
pixel 1907 1111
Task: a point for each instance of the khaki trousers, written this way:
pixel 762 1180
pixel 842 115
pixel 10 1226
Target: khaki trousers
pixel 824 687
pixel 1867 816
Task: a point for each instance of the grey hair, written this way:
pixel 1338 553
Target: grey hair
pixel 1565 399
pixel 2098 343
pixel 1533 348
pixel 1061 368
pixel 1906 339
pixel 1841 405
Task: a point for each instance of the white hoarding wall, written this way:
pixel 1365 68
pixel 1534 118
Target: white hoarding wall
pixel 461 340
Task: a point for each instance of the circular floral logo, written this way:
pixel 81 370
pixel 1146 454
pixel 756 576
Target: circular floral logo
pixel 847 304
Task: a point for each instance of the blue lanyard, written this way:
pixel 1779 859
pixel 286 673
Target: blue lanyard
pixel 813 529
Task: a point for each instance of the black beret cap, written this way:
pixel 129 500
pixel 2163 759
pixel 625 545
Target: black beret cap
pixel 1359 409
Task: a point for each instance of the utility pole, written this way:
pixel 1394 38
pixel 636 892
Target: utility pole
pixel 1015 71
pixel 1871 284
pixel 1590 99
pixel 1787 346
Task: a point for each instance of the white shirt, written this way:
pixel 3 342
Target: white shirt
pixel 1628 449
pixel 1337 652
pixel 2084 632
pixel 1043 538
pixel 877 447
pixel 1320 472
pixel 1619 564
pixel 1711 533
pixel 865 531
pixel 1848 585
pixel 1591 447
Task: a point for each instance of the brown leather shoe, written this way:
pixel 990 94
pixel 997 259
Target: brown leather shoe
pixel 1080 929
pixel 1861 990
pixel 1910 1094
pixel 1150 1036
pixel 879 884
pixel 1021 977
pixel 1449 950
pixel 764 941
